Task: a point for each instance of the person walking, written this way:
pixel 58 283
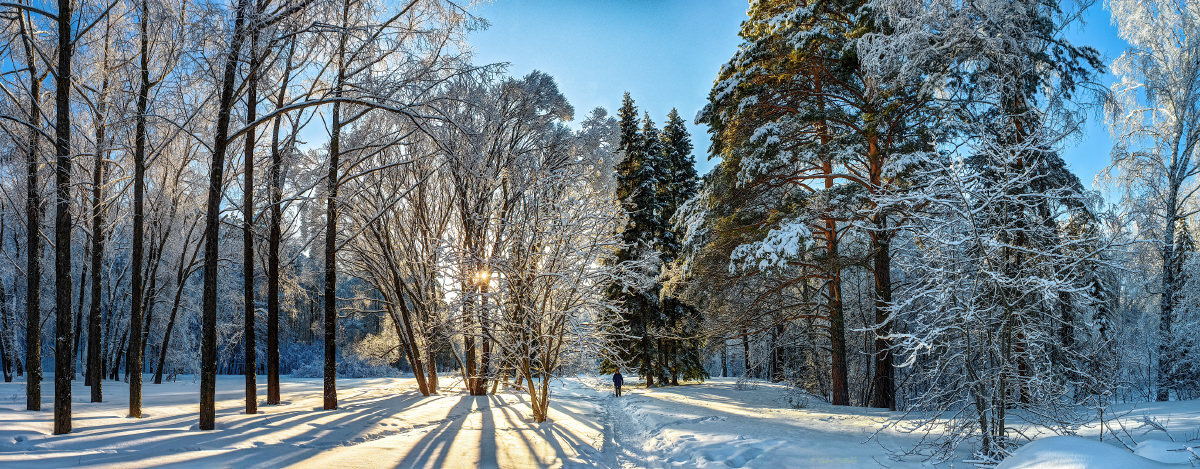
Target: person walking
pixel 618 380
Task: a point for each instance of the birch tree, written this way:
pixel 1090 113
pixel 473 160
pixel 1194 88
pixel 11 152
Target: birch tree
pixel 1155 119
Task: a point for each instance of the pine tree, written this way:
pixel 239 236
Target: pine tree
pixel 777 113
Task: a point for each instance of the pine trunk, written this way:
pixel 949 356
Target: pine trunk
pixel 884 384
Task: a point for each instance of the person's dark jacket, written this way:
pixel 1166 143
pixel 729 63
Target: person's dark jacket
pixel 618 380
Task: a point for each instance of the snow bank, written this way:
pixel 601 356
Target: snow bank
pixel 1072 452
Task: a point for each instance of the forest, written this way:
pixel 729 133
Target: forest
pixel 287 189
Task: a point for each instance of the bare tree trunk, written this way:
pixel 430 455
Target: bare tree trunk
pixel 471 373
pixel 1167 303
pixel 6 347
pixel 724 359
pixel 33 244
pixel 208 344
pixel 134 362
pixel 745 353
pixel 276 196
pixel 182 272
pixel 153 260
pixel 83 276
pixel 248 229
pixel 94 377
pixel 5 363
pixel 331 223
pixel 115 375
pixel 62 223
pixel 485 353
pixel 162 351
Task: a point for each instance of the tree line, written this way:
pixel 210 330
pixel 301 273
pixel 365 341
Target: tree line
pixel 891 223
pixel 447 219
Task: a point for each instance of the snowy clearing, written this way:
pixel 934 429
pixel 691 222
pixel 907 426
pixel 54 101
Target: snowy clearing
pixel 385 422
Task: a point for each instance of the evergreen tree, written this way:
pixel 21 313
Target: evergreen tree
pixel 638 301
pixel 780 119
pixel 681 347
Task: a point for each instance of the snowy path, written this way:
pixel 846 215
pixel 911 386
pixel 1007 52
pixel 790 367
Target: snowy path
pixel 384 422
pixel 380 423
pixel 717 425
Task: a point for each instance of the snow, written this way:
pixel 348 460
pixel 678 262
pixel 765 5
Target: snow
pixel 1071 452
pixel 385 422
pixel 1165 451
pixel 719 424
pixel 782 244
pixel 380 422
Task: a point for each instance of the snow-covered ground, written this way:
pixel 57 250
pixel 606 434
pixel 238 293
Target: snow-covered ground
pixel 385 422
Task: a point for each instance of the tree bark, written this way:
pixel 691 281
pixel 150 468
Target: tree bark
pixel 837 323
pixel 33 244
pixel 330 391
pixel 724 359
pixel 94 377
pixel 745 353
pixel 248 230
pixel 83 280
pixel 134 362
pixel 884 384
pixel 62 223
pixel 208 343
pixel 6 346
pixel 276 196
pixel 116 357
pixel 1167 303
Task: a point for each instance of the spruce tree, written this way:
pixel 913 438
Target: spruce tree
pixel 636 190
pixel 677 184
pixel 653 345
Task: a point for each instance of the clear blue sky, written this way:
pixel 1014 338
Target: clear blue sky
pixel 666 53
pixel 1090 153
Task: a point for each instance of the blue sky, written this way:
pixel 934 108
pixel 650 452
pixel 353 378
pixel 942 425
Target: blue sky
pixel 666 53
pixel 1090 153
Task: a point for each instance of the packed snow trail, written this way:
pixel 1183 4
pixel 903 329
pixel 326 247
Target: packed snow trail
pixel 718 424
